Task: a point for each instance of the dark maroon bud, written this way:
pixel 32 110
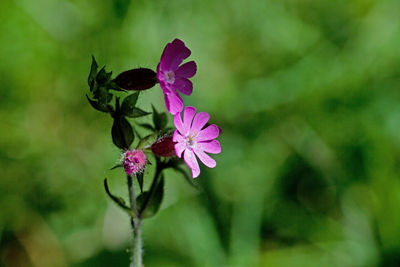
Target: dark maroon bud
pixel 136 79
pixel 164 147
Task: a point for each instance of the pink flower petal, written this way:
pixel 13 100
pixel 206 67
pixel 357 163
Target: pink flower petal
pixel 179 126
pixel 173 55
pixel 209 133
pixel 206 159
pixel 188 115
pixel 187 70
pixel 173 102
pixel 191 161
pixel 177 137
pixel 199 121
pixel 179 148
pixel 183 85
pixel 210 147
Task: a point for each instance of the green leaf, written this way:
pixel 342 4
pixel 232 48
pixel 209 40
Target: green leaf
pixel 148 141
pixel 154 203
pixel 97 106
pixel 117 166
pixel 160 119
pixel 136 113
pixel 146 126
pixel 122 133
pixel 93 73
pixel 139 178
pixel 118 200
pixel 103 77
pixel 129 103
pixel 114 86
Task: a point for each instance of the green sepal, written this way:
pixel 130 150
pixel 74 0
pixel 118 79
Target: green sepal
pixel 160 119
pixel 118 200
pixel 122 133
pixel 154 203
pixel 147 141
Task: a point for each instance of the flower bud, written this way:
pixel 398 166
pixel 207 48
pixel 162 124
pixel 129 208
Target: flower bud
pixel 136 79
pixel 134 161
pixel 164 147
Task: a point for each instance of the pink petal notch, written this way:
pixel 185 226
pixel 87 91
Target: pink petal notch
pixel 194 141
pixel 174 78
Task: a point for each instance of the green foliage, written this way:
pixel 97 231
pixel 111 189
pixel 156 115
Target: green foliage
pixel 122 133
pixel 149 202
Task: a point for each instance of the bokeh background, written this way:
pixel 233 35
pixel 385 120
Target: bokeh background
pixel 307 94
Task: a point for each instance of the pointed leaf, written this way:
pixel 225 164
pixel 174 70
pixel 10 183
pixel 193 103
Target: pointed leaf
pixel 146 126
pixel 93 72
pixel 122 133
pixel 97 106
pixel 139 178
pixel 160 119
pixel 118 200
pixel 117 166
pixel 154 203
pixel 129 103
pixel 136 113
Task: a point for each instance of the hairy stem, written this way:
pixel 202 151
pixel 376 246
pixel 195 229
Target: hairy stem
pixel 136 223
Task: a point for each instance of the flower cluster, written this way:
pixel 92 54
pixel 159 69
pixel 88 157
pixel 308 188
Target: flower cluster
pixel 190 135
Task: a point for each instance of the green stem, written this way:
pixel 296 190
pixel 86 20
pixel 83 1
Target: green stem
pixel 136 223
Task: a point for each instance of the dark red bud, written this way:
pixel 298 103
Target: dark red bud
pixel 136 79
pixel 164 147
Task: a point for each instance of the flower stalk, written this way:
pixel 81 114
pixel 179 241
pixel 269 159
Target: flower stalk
pixel 136 223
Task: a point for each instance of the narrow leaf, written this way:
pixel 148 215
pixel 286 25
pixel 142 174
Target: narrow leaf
pixel 118 200
pixel 139 178
pixel 129 103
pixel 122 133
pixel 96 105
pixel 93 72
pixel 160 119
pixel 154 203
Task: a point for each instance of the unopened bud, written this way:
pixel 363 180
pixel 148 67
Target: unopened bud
pixel 134 161
pixel 136 79
pixel 164 147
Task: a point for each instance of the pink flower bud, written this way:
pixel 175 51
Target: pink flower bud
pixel 134 161
pixel 164 147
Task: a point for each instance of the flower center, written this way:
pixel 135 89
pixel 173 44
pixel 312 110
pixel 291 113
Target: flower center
pixel 169 77
pixel 190 141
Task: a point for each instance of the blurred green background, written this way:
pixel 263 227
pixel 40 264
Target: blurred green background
pixel 307 93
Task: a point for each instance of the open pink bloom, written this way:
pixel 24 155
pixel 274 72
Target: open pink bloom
pixel 174 78
pixel 191 139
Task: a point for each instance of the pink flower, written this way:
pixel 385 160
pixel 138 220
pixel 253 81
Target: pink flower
pixel 193 140
pixel 134 161
pixel 173 77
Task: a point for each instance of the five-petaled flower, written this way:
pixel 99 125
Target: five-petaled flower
pixel 134 161
pixel 173 77
pixel 191 139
